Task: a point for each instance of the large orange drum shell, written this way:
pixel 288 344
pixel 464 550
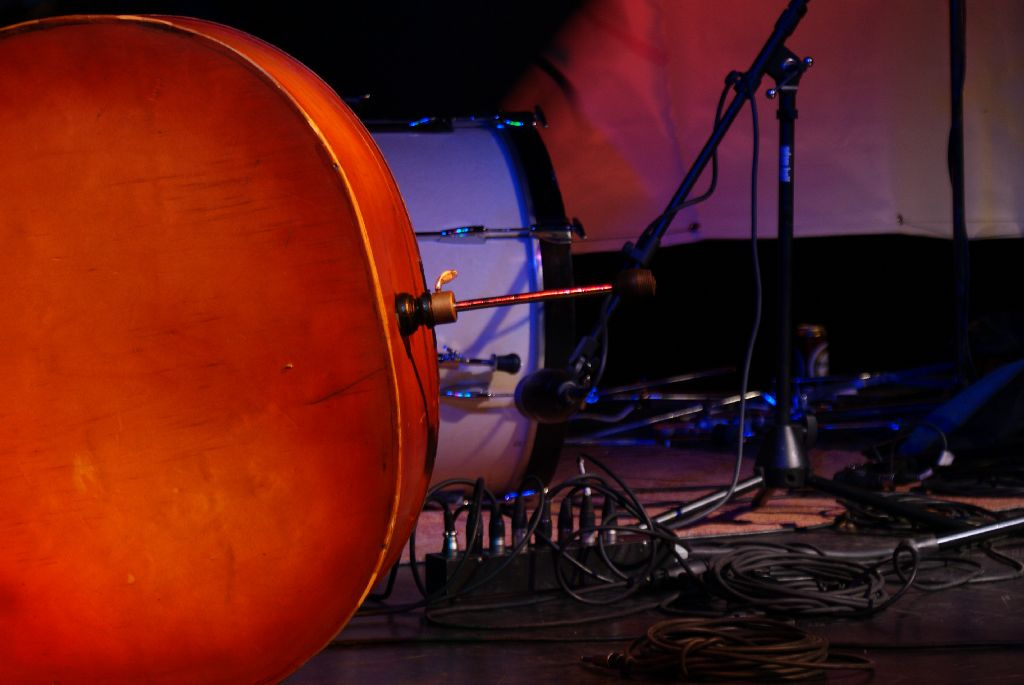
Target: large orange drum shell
pixel 211 428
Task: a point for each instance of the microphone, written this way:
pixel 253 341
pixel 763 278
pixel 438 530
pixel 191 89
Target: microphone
pixel 554 395
pixel 549 396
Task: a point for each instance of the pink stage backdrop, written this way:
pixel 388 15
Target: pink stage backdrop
pixel 632 84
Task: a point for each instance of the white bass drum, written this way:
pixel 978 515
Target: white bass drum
pixel 483 201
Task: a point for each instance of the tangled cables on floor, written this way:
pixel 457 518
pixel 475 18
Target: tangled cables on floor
pixel 608 553
pixel 753 649
pixel 803 580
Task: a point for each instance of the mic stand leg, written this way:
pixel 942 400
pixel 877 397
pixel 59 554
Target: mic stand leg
pixel 672 517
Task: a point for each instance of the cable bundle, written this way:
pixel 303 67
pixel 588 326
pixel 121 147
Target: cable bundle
pixel 786 579
pixel 747 649
pixel 997 477
pixel 865 516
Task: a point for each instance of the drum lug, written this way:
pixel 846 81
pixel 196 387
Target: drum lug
pixel 469 392
pixel 506 363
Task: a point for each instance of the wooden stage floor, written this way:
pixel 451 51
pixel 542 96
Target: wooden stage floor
pixel 971 632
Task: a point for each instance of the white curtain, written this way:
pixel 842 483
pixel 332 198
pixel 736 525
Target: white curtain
pixel 630 88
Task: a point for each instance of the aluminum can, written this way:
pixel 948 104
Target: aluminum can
pixel 811 351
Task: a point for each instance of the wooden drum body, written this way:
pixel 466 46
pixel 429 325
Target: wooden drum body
pixel 211 429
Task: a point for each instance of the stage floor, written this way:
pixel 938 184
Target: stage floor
pixel 965 633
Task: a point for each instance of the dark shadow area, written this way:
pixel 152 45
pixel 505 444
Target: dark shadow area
pixel 886 303
pixel 413 58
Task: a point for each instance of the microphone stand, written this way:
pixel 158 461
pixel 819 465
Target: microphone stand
pixel 581 364
pixel 961 244
pixel 783 457
pixel 782 460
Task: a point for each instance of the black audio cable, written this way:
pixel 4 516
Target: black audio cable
pixel 800 580
pixel 734 649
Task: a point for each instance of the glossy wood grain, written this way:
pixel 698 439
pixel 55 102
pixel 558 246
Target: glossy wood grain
pixel 211 430
pixel 396 260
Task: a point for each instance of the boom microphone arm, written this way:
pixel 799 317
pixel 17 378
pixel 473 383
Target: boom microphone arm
pixel 553 395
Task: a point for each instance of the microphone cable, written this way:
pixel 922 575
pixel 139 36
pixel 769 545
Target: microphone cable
pixel 597 340
pixel 756 325
pixel 733 649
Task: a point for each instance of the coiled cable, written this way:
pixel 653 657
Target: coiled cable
pixel 745 649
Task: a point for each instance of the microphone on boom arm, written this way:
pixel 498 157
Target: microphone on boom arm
pixel 554 395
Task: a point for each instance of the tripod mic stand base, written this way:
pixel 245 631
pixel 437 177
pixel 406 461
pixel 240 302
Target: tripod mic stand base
pixel 782 460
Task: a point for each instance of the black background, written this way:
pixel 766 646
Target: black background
pixel 413 58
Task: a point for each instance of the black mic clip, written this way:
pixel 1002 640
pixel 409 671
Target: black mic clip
pixel 549 396
pixel 554 395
